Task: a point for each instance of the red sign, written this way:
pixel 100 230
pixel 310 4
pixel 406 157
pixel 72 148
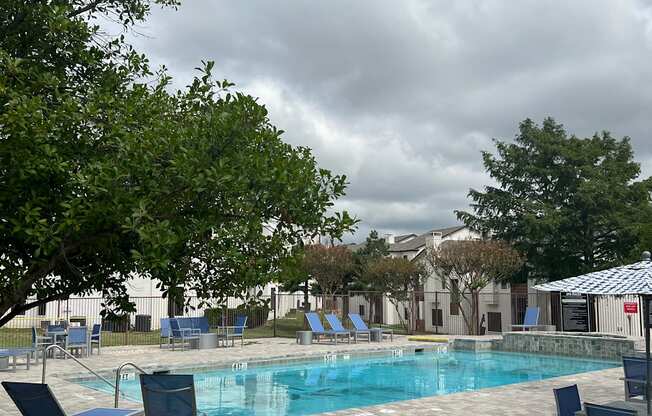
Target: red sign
pixel 630 307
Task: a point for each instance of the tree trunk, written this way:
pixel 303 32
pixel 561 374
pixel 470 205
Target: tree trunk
pixel 306 297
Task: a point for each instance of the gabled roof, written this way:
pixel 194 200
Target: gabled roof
pixel 419 241
pixel 399 238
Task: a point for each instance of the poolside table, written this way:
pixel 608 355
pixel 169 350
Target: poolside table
pixel 205 341
pixel 376 334
pixel 639 407
pixel 14 353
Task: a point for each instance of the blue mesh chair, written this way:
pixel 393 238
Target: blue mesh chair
pixel 183 334
pixel 337 327
pixel 567 400
pixel 166 332
pixel 635 369
pixel 362 328
pixel 531 319
pixel 34 399
pixel 96 338
pixel 317 328
pixel 77 339
pixel 40 343
pixel 236 331
pixel 200 323
pixel 598 410
pixel 168 394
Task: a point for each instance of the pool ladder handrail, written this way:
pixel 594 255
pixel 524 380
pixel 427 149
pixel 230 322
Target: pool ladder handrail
pixel 67 354
pixel 117 379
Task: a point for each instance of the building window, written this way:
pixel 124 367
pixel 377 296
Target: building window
pixel 405 256
pixel 406 313
pixel 361 310
pixel 437 317
pixel 503 285
pixel 42 309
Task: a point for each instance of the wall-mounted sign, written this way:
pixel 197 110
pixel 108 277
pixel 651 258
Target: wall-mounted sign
pixel 630 307
pixel 575 312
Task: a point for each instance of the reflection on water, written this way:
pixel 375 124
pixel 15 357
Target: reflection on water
pixel 315 387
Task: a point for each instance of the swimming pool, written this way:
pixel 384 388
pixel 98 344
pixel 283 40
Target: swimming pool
pixel 311 387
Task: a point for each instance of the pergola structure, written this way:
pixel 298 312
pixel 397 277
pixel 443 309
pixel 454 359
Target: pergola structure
pixel 633 279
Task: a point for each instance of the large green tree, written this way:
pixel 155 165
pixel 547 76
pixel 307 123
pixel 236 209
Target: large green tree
pixel 104 172
pixel 571 205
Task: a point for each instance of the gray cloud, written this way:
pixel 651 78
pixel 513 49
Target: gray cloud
pixel 402 96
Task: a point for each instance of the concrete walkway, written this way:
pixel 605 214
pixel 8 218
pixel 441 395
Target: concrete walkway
pixel 533 398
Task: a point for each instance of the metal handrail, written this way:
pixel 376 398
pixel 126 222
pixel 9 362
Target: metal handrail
pixel 54 346
pixel 117 379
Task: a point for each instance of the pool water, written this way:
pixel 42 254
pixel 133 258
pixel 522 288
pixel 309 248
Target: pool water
pixel 311 387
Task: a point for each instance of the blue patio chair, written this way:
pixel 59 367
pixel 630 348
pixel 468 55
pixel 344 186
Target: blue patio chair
pixel 183 334
pixel 567 400
pixel 168 394
pixel 317 328
pixel 362 328
pixel 96 338
pixel 337 327
pixel 201 323
pixel 34 399
pixel 40 343
pixel 531 319
pixel 166 332
pixel 635 369
pixel 236 331
pixel 77 339
pixel 598 410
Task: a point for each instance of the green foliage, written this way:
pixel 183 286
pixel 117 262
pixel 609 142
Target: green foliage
pixel 398 279
pixel 328 266
pixel 373 248
pixel 569 204
pixel 104 172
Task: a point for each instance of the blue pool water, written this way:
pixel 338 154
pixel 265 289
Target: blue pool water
pixel 314 386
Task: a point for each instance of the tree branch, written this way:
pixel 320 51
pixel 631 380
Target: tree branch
pixel 86 8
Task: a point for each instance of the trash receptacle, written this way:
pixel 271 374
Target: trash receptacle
pixel 143 323
pixel 304 337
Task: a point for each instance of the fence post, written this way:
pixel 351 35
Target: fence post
pixel 273 293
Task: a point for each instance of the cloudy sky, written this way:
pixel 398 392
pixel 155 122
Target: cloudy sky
pixel 401 96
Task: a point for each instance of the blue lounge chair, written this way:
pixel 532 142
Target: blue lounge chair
pixel 183 334
pixel 598 410
pixel 531 319
pixel 77 339
pixel 362 328
pixel 567 400
pixel 337 326
pixel 635 370
pixel 96 338
pixel 168 394
pixel 236 331
pixel 318 330
pixel 34 399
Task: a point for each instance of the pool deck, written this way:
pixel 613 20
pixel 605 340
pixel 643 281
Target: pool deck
pixel 533 398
